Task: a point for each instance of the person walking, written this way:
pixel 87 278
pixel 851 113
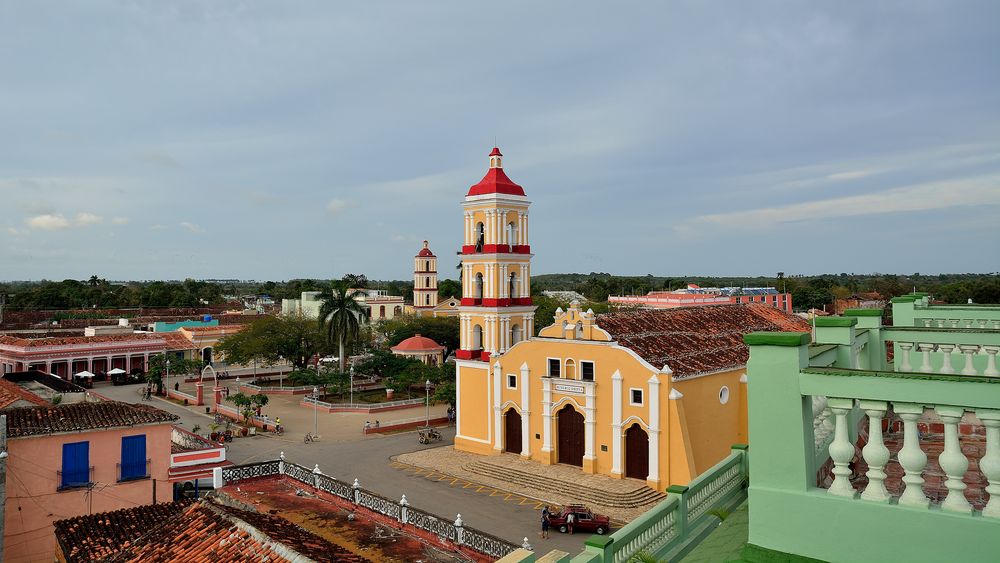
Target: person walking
pixel 368 426
pixel 545 524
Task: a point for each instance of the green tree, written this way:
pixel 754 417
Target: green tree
pixel 443 330
pixel 270 339
pixel 248 404
pixel 341 317
pixel 449 288
pixel 178 366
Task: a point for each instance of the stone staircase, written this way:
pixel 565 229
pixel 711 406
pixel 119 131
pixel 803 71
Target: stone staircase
pixel 566 482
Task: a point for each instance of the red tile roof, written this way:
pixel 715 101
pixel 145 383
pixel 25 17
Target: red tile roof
pixel 205 531
pixel 32 421
pixel 11 393
pixel 100 536
pixel 177 341
pixel 417 344
pixel 495 182
pixel 66 340
pixel 693 340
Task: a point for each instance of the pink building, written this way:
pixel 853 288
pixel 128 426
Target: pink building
pixel 76 459
pixel 694 296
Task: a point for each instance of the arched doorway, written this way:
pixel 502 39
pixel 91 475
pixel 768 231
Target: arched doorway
pixel 512 431
pixel 206 356
pixel 479 286
pixel 636 452
pixel 477 337
pixel 570 428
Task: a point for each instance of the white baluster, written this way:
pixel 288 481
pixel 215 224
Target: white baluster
pixel 945 350
pixel 841 450
pixel 953 461
pixel 927 323
pixel 968 323
pixel 990 464
pixel 970 367
pixel 940 323
pixel 996 324
pixel 982 323
pixel 818 405
pixel 991 360
pixel 953 323
pixel 925 365
pixel 875 453
pixel 905 365
pixel 911 456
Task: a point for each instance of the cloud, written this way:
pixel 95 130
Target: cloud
pixel 48 222
pixel 13 231
pixel 121 221
pixel 190 226
pixel 157 227
pixel 982 190
pixel 158 158
pixel 84 219
pixel 335 206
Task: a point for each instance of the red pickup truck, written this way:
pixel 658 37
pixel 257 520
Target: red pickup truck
pixel 583 520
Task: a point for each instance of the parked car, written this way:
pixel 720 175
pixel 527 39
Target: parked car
pixel 584 520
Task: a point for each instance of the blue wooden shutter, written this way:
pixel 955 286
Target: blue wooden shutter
pixel 133 457
pixel 76 464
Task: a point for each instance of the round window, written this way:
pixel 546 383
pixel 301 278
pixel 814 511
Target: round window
pixel 724 395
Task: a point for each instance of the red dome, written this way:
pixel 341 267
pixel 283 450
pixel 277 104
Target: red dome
pixel 425 252
pixel 417 344
pixel 495 181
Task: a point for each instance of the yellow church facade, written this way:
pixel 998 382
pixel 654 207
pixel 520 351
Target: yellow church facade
pixel 658 396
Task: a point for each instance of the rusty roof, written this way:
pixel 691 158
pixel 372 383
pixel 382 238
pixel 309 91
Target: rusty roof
pixel 96 537
pixel 695 340
pixel 76 417
pixel 177 341
pixel 11 393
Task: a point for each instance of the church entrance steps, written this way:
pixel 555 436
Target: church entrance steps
pixel 621 499
pixel 570 482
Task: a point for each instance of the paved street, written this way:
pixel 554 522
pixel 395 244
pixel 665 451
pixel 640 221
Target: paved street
pixel 351 455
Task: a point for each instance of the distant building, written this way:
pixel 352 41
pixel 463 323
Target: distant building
pixel 870 300
pixel 566 296
pixel 694 296
pixel 381 305
pixel 420 348
pixel 425 291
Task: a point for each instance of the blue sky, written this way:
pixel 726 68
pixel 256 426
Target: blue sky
pixel 274 140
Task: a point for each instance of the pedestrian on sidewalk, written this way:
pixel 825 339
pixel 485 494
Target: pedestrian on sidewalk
pixel 377 424
pixel 545 524
pixel 570 519
pixel 368 426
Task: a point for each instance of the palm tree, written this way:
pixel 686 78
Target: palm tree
pixel 341 316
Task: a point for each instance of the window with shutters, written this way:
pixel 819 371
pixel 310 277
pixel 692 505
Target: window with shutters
pixel 75 465
pixel 133 464
pixel 587 371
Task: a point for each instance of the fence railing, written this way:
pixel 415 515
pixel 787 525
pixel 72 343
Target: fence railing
pixel 355 405
pixel 674 525
pixel 453 532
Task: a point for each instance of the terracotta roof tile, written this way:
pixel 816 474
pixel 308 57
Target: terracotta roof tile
pixel 66 340
pixel 693 340
pixel 50 419
pixel 202 531
pixel 98 536
pixel 11 393
pixel 177 341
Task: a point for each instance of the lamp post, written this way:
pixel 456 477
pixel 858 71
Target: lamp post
pixel 315 407
pixel 350 375
pixel 427 392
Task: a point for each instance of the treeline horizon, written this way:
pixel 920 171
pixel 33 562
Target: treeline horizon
pixel 807 291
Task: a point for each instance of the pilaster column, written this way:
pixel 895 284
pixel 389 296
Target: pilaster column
pixel 497 415
pixel 654 428
pixel 48 366
pixel 616 423
pixel 526 228
pixel 525 412
pixel 911 457
pixel 503 281
pixel 590 424
pixel 953 461
pixel 547 417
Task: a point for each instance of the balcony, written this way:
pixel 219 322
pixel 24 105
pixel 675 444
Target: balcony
pixel 132 472
pixel 887 504
pixel 916 311
pixel 75 479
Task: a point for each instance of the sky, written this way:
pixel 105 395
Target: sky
pixel 279 140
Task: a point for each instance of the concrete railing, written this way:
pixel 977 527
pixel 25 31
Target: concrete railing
pixel 916 311
pixel 790 513
pixel 673 527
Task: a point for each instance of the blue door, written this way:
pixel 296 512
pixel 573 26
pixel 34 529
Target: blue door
pixel 133 457
pixel 76 465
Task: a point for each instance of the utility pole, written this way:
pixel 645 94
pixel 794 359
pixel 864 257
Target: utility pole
pixel 3 476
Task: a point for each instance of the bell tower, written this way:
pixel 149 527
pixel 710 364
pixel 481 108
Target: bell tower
pixel 425 291
pixel 496 310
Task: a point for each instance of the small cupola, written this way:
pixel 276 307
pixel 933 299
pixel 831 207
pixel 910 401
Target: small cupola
pixel 495 158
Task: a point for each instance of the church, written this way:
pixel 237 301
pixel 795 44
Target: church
pixel 653 395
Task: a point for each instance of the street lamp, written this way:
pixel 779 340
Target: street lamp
pixel 315 408
pixel 427 391
pixel 350 375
